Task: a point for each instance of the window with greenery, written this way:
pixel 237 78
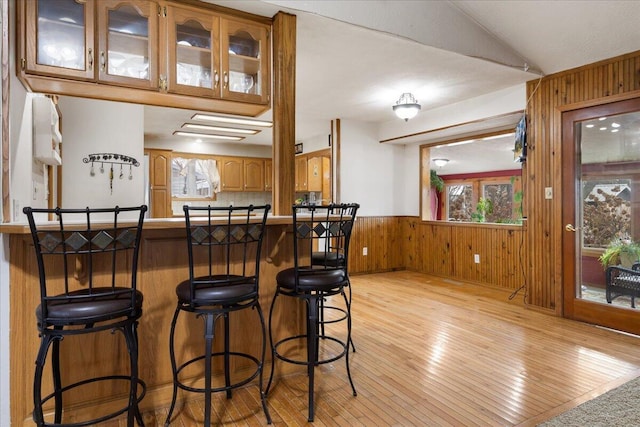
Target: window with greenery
pixel 485 200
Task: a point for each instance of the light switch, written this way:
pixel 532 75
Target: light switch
pixel 548 193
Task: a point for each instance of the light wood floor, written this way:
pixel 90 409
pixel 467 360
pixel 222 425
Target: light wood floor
pixel 432 352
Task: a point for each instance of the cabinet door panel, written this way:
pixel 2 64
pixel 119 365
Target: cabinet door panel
pixel 193 45
pixel 60 38
pixel 254 175
pixel 128 40
pixel 245 59
pixel 232 174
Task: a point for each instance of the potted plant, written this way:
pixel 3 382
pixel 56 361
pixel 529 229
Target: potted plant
pixel 436 181
pixel 622 251
pixel 483 208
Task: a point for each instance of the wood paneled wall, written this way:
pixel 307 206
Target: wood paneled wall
pixel 439 248
pixel 603 82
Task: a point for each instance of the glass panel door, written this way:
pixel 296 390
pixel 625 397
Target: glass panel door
pixel 64 38
pixel 602 230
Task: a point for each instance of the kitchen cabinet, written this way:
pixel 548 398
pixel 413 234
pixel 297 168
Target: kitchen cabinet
pixel 268 175
pixel 167 53
pixel 160 183
pixel 301 173
pixel 314 174
pixel 63 40
pixel 242 174
pixel 253 174
pixel 214 56
pixel 231 174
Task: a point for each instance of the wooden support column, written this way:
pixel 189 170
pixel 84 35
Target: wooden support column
pixel 284 112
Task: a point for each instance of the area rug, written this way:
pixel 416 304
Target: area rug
pixel 617 407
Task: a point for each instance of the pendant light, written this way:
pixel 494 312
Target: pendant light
pixel 407 107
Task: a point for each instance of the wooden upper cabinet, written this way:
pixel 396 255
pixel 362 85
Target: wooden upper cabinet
pixel 59 38
pixel 231 174
pixel 160 52
pixel 245 61
pixel 314 174
pixel 62 40
pixel 128 43
pixel 301 173
pixel 254 175
pixel 193 47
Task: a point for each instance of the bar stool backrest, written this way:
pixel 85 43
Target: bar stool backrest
pixel 322 237
pixel 224 245
pixel 86 255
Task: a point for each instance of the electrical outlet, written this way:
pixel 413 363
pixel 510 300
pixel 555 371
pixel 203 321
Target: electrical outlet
pixel 548 193
pixel 364 251
pixel 476 258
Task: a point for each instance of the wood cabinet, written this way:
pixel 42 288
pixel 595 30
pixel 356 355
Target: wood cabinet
pixel 160 183
pixel 268 175
pixel 242 174
pixel 253 174
pixel 215 56
pixel 231 174
pixel 313 173
pixel 63 40
pixel 173 54
pixel 301 173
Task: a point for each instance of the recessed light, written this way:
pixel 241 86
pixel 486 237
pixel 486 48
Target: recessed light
pixel 603 128
pixel 614 130
pixel 615 125
pixel 233 120
pixel 469 141
pixel 210 136
pixel 602 118
pixel 590 125
pixel 220 128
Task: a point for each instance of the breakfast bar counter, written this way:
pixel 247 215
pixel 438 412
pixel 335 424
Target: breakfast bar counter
pixel 163 263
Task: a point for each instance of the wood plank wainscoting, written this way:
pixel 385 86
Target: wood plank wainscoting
pixel 441 249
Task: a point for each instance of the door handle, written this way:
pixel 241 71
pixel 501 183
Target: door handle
pixel 570 227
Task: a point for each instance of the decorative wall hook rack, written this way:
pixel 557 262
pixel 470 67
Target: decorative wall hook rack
pixel 112 159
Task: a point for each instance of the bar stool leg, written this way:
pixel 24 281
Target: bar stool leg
pixel 57 381
pixel 263 396
pixel 208 334
pixel 131 338
pixel 313 304
pixel 227 373
pixel 273 349
pixel 348 303
pixel 38 416
pixel 174 367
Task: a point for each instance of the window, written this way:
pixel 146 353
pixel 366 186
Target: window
pixel 482 183
pixel 194 178
pixel 606 210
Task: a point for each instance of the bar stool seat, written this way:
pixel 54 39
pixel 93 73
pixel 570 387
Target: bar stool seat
pixel 102 297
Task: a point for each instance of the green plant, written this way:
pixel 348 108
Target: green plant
pixel 436 181
pixel 619 251
pixel 483 208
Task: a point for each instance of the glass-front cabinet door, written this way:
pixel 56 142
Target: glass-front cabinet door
pixel 245 60
pixel 63 42
pixel 193 44
pixel 128 39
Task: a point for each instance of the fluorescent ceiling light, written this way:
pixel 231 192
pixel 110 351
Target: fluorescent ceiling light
pixel 233 120
pixel 220 128
pixel 502 135
pixel 469 141
pixel 207 135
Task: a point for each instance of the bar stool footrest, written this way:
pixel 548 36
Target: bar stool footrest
pixel 224 388
pixel 302 362
pixel 109 416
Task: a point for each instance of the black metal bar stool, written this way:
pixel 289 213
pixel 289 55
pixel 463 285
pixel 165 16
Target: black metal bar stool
pixel 325 231
pixel 224 246
pixel 103 297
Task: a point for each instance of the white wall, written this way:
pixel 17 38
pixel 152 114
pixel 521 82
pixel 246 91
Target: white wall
pixel 94 126
pixel 370 173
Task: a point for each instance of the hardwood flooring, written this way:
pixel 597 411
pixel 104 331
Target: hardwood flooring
pixel 435 352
